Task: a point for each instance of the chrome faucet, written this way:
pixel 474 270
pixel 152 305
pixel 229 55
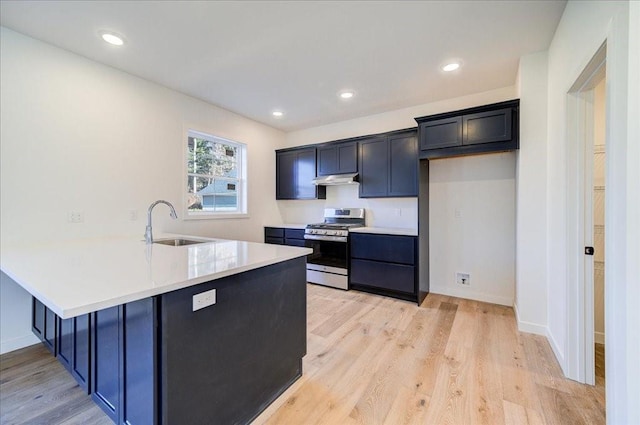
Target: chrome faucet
pixel 148 233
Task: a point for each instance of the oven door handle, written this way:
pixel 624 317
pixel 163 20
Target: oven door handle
pixel 326 238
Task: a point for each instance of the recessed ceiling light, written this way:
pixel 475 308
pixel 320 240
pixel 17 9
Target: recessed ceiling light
pixel 112 38
pixel 451 66
pixel 346 94
pixel 277 114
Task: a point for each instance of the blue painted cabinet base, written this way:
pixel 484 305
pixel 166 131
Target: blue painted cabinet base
pixel 155 361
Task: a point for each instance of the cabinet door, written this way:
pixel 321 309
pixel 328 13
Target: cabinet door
pixel 403 165
pixel 50 328
pixel 65 342
pixel 373 166
pixel 339 158
pixel 138 353
pixel 328 160
pixel 487 127
pixel 80 360
pixel 105 375
pixel 44 324
pixel 305 173
pixel 124 366
pixel 286 175
pixel 73 347
pixel 442 133
pixel 37 318
pixel 347 157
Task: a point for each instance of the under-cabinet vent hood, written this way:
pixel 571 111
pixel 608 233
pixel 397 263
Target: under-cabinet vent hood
pixel 336 179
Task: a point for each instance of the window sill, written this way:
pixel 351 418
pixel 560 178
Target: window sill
pixel 221 216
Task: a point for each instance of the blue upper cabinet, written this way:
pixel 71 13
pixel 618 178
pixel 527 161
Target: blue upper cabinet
pixel 338 158
pixel 295 170
pixel 403 164
pixel 389 165
pixel 444 133
pixel 484 129
pixel 374 167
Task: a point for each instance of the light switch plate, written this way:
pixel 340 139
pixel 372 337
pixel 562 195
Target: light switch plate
pixel 204 299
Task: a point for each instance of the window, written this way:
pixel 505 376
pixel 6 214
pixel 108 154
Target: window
pixel 215 179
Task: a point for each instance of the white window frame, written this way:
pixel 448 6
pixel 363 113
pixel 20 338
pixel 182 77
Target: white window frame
pixel 241 189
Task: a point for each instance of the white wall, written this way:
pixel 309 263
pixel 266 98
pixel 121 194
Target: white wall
pixel 472 226
pixel 77 135
pixel 481 241
pixel 380 212
pixel 531 253
pixel 582 30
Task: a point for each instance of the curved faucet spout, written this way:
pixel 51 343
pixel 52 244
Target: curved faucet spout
pixel 148 234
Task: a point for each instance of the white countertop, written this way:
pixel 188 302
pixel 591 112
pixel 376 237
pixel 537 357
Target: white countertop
pixel 386 230
pixel 77 277
pixel 287 225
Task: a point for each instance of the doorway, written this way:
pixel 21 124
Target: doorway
pixel 597 229
pixel 586 159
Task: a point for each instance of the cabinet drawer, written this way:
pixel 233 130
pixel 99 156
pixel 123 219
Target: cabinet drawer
pixel 273 232
pixel 393 277
pixel 294 233
pixel 274 241
pixel 294 242
pixel 393 249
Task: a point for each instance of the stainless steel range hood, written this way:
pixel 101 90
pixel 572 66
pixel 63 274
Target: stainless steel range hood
pixel 336 179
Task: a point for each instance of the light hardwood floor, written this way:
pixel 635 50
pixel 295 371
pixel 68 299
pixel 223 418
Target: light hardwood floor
pixel 370 360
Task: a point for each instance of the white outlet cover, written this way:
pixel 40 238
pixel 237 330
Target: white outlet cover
pixel 204 299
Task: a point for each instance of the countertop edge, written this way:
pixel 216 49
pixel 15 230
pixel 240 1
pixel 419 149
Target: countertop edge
pixel 65 313
pixel 386 231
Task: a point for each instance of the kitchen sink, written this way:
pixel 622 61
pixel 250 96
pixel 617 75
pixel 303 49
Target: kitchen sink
pixel 178 242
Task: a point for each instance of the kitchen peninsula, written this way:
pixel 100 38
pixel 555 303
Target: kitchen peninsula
pixel 210 332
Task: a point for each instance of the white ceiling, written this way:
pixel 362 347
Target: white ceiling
pixel 254 57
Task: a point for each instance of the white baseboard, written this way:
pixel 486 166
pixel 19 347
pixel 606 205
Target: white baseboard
pixel 529 327
pixel 556 350
pixel 470 294
pixel 17 343
pixel 598 337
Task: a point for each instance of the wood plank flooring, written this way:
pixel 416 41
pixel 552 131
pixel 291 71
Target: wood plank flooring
pixel 599 350
pixel 370 360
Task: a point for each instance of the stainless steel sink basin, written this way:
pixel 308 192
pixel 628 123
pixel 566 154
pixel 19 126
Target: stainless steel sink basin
pixel 178 242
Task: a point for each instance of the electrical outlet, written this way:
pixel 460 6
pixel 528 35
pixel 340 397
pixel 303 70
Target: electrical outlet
pixel 75 216
pixel 398 212
pixel 457 213
pixel 204 299
pixel 133 215
pixel 463 279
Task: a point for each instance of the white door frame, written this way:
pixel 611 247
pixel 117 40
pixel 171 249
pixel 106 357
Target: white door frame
pixel 580 295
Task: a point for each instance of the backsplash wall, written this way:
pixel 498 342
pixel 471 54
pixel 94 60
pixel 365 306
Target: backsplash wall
pixel 380 212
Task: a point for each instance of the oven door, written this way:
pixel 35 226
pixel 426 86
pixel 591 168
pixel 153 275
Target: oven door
pixel 327 253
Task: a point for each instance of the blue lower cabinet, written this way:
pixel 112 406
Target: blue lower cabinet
pixel 387 276
pixel 284 236
pixel 105 373
pixel 44 324
pixel 67 339
pixel 385 265
pixel 74 347
pixel 123 378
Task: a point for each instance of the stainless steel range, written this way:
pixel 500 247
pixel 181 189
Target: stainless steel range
pixel 329 263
